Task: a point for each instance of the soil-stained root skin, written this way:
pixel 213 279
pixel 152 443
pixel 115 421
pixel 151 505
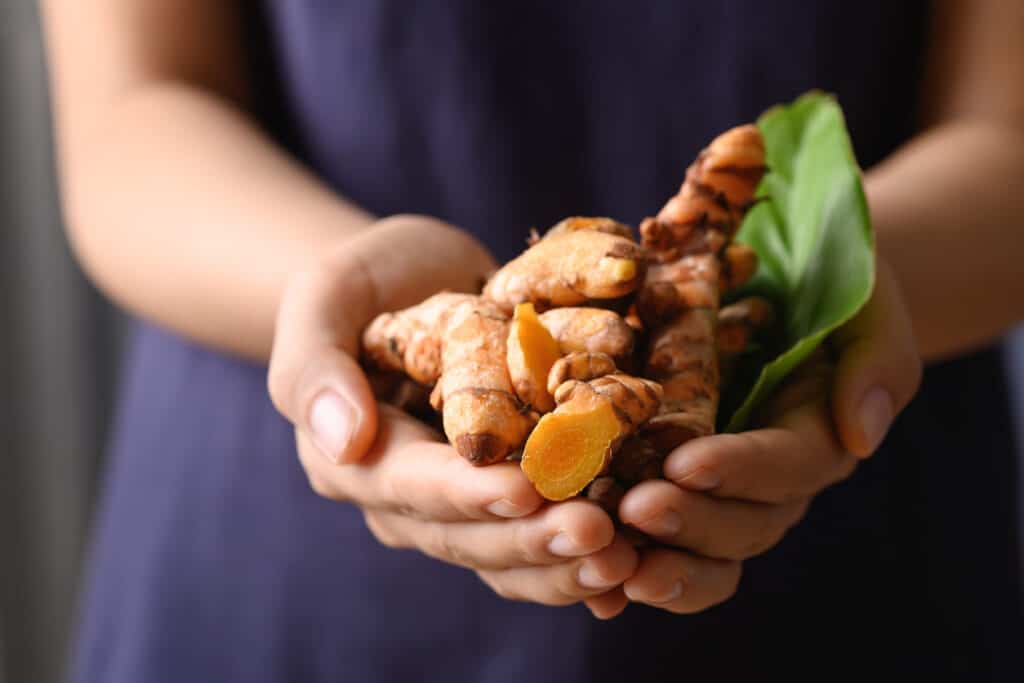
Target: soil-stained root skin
pixel 636 461
pixel 531 353
pixel 739 263
pixel 483 418
pixel 409 341
pixel 581 365
pixel 737 324
pixel 568 269
pixel 590 329
pixel 607 493
pixel 680 298
pixel 574 444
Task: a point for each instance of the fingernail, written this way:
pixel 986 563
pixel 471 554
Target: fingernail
pixel 506 508
pixel 332 421
pixel 589 577
pixel 876 414
pixel 563 546
pixel 667 524
pixel 677 590
pixel 698 479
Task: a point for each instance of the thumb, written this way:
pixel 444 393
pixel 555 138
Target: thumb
pixel 879 367
pixel 314 379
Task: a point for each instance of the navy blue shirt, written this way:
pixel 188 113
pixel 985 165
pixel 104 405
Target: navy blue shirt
pixel 213 561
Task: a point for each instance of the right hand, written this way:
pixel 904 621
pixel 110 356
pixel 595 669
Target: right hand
pixel 414 490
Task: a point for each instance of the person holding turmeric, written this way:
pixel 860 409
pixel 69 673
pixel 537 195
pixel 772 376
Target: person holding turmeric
pixel 256 182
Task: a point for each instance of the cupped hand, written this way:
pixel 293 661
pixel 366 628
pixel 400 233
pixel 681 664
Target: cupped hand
pixel 414 490
pixel 729 497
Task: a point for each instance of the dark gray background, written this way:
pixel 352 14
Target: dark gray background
pixel 58 348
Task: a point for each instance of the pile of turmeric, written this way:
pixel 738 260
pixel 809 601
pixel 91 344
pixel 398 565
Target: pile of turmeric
pixel 591 356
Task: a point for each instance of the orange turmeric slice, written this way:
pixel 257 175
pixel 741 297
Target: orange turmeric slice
pixel 531 353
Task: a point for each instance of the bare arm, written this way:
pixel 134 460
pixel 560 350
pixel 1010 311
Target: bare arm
pixel 177 204
pixel 949 206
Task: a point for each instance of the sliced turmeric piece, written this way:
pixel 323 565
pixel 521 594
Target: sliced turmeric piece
pixel 531 353
pixel 574 444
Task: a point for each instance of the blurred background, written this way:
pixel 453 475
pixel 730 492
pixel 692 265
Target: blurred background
pixel 59 345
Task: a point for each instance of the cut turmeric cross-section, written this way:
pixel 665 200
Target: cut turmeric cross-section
pixel 567 450
pixel 531 353
pixel 571 446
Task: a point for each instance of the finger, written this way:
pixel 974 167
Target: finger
pixel 680 582
pixel 554 534
pixel 569 582
pixel 409 469
pixel 879 367
pixel 313 379
pixel 608 605
pixel 713 527
pixel 794 459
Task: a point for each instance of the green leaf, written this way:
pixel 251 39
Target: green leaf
pixel 813 236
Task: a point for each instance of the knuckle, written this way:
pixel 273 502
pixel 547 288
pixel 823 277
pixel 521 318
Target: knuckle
pixel 565 590
pixel 281 380
pixel 845 467
pixel 322 487
pixel 769 531
pixel 397 485
pixel 381 532
pixel 452 489
pixel 500 588
pixel 914 370
pixel 732 585
pixel 449 547
pixel 527 544
pixel 436 543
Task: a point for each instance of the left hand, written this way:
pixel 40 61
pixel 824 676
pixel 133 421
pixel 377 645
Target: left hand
pixel 730 497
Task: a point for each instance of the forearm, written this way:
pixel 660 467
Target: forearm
pixel 185 213
pixel 949 211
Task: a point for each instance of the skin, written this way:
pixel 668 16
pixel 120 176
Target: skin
pixel 176 234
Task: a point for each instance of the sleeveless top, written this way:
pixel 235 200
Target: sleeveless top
pixel 213 560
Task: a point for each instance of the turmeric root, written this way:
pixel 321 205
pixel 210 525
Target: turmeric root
pixel 574 444
pixel 568 269
pixel 737 324
pixel 575 223
pixel 457 341
pixel 531 353
pixel 582 365
pixel 601 428
pixel 607 493
pixel 409 341
pixel 483 419
pixel 637 460
pixel 590 329
pixel 738 321
pixel 739 263
pixel 680 298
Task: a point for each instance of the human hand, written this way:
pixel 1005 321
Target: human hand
pixel 730 497
pixel 414 490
